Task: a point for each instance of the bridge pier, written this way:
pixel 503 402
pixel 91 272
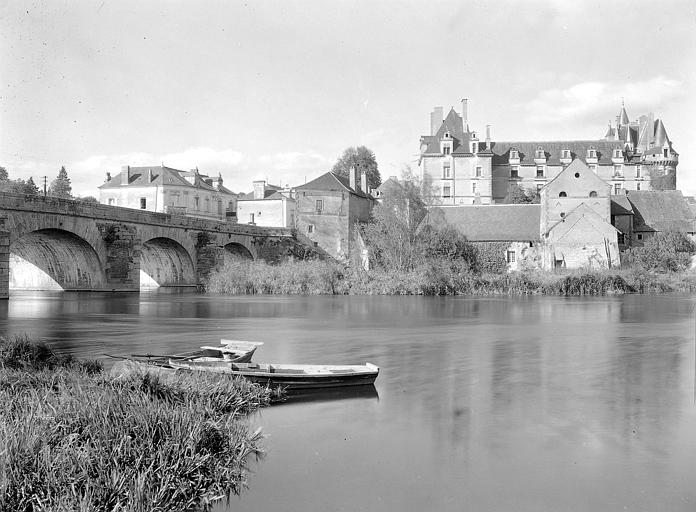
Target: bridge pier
pixel 122 266
pixel 4 264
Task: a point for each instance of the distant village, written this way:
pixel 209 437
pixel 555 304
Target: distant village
pixel 595 198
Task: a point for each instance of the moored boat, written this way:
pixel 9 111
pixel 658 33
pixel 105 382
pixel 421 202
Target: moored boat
pixel 229 351
pixel 289 376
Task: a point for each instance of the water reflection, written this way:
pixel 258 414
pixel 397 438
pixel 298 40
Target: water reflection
pixel 535 403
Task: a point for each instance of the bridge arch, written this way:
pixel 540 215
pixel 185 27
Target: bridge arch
pixel 237 251
pixel 165 262
pixel 54 259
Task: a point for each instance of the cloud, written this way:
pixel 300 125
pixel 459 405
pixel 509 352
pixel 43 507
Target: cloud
pixel 237 169
pixel 589 101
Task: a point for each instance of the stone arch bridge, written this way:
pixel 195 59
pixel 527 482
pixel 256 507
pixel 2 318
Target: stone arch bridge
pixel 57 244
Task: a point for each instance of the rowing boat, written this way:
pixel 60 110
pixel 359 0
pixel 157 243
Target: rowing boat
pixel 289 376
pixel 229 351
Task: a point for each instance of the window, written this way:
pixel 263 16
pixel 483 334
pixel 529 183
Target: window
pixel 207 204
pixel 593 194
pixel 617 153
pixel 446 191
pixel 639 236
pixel 617 170
pixel 319 205
pixel 510 258
pixel 638 171
pixel 474 147
pixel 514 154
pixel 446 172
pixel 310 228
pixel 562 194
pixel 473 188
pixel 197 202
pixel 251 217
pixel 447 135
pixel 638 186
pixel 566 153
pixel 617 188
pixel 540 171
pixel 621 238
pixel 219 208
pixel 446 150
pixel 143 203
pixel 665 152
pixel 540 153
pixel 111 200
pixel 514 172
pixel 592 153
pixel 479 171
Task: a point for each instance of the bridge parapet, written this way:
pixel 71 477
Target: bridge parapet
pixel 75 208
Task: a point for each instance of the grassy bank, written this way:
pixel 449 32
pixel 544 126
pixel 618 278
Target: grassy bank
pixel 73 438
pixel 435 278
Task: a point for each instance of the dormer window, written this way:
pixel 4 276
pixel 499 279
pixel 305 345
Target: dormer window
pixel 566 153
pixel 592 153
pixel 665 152
pixel 446 150
pixel 540 153
pixel 514 154
pixel 617 153
pixel 474 147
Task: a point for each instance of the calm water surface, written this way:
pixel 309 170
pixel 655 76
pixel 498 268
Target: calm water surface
pixel 542 403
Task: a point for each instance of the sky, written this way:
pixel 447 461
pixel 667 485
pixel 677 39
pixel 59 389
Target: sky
pixel 277 90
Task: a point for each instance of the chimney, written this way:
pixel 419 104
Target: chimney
pixel 125 174
pixel 259 189
pixel 465 114
pixel 436 118
pixel 352 178
pixel 488 136
pixel 149 175
pixel 108 176
pixel 363 182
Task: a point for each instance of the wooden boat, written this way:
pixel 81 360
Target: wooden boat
pixel 229 351
pixel 289 376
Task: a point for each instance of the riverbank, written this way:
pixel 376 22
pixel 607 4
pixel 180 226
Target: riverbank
pixel 435 278
pixel 73 438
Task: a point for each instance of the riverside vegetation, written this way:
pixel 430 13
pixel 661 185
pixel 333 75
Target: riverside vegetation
pixel 74 438
pixel 408 257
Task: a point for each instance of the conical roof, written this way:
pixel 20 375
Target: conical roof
pixel 660 133
pixel 623 117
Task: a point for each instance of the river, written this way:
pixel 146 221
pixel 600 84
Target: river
pixel 484 404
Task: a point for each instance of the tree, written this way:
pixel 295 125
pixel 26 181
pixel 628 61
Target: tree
pixel 60 187
pixel 521 195
pixel 30 187
pixel 362 159
pixel 88 199
pixel 3 174
pixel 665 251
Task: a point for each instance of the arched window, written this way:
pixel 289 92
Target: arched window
pixel 562 194
pixel 593 194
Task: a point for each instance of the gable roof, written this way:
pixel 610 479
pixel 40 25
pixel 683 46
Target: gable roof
pixel 620 205
pixel 331 182
pixel 584 173
pixel 490 223
pixel 579 213
pixel 660 210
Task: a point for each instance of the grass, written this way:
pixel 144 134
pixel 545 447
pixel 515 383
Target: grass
pixel 74 438
pixel 436 277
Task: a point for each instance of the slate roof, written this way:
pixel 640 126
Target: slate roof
pixel 554 150
pixel 490 223
pixel 331 182
pixel 267 193
pixel 161 175
pixel 455 125
pixel 620 205
pixel 661 210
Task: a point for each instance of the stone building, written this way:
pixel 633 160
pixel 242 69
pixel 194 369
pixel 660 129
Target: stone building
pixel 167 190
pixel 268 205
pixel 329 208
pixel 463 168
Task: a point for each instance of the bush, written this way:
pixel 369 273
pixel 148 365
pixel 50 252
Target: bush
pixel 667 251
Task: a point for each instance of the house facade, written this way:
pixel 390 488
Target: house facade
pixel 167 190
pixel 329 209
pixel 267 205
pixel 460 167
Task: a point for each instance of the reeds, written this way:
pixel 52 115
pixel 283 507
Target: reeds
pixel 437 277
pixel 74 439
